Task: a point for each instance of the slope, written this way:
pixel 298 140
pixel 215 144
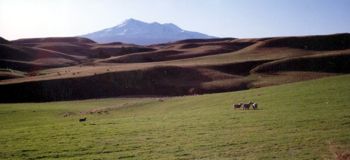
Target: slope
pixel 307 120
pixel 216 65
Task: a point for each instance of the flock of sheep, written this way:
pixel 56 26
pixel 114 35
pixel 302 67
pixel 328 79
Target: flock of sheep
pixel 245 106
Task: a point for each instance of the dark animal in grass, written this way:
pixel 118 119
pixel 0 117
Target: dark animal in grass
pixel 239 105
pixel 255 106
pixel 82 119
pixel 246 106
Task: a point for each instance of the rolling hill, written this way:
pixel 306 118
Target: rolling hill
pixel 67 68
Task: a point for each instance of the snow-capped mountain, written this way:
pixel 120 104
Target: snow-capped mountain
pixel 138 32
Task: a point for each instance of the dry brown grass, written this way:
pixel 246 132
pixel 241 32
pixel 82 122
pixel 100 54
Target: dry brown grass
pixel 195 66
pixel 340 152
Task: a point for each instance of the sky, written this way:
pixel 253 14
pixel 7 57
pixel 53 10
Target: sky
pixel 222 18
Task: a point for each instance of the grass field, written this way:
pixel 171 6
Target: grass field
pixel 305 120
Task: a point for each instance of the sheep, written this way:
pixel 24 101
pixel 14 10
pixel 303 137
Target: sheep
pixel 255 106
pixel 246 106
pixel 235 106
pixel 82 119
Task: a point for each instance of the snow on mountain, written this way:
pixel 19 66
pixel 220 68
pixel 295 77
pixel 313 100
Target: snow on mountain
pixel 142 33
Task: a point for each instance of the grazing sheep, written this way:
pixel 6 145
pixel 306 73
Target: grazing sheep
pixel 82 119
pixel 246 106
pixel 239 105
pixel 255 106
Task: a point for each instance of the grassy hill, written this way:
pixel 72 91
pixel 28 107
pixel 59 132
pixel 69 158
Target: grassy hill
pixel 305 120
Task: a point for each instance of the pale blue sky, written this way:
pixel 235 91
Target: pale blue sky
pixel 223 18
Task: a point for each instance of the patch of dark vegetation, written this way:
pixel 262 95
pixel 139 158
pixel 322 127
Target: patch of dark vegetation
pixel 105 52
pixel 240 68
pixel 147 57
pixel 126 157
pixel 226 46
pixel 158 81
pixel 333 63
pixel 190 45
pixel 346 123
pixel 112 43
pixel 236 85
pixel 10 75
pixel 317 43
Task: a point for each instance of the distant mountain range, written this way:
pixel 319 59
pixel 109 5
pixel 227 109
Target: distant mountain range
pixel 142 33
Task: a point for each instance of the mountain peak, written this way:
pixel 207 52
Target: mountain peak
pixel 143 33
pixel 131 20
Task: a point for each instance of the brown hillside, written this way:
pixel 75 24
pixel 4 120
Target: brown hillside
pixel 4 41
pixel 53 39
pixel 317 43
pixel 82 47
pixel 47 69
pixel 158 81
pixel 332 63
pixel 30 59
pixel 182 51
